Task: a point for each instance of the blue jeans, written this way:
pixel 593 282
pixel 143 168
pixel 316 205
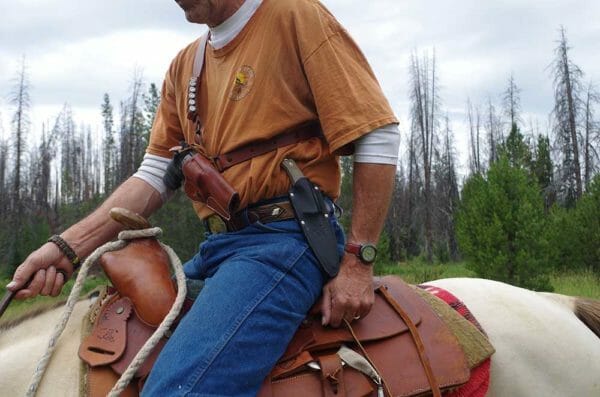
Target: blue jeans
pixel 259 284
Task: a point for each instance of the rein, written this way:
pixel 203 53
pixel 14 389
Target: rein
pixel 145 351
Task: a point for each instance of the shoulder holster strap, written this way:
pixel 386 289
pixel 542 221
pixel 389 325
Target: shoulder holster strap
pixel 292 136
pixel 200 50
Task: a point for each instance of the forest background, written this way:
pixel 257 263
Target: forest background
pixel 528 207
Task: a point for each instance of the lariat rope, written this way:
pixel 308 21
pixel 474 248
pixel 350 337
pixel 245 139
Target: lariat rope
pixel 145 351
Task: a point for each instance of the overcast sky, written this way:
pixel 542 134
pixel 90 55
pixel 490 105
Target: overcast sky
pixel 78 50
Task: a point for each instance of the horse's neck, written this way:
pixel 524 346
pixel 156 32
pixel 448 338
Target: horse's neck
pixel 22 346
pixel 34 327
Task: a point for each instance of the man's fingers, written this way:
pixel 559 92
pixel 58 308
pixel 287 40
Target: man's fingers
pixel 338 310
pixel 59 281
pixel 34 288
pixel 20 278
pixel 49 282
pixel 326 306
pixel 365 306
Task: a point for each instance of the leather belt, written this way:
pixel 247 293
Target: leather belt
pixel 265 213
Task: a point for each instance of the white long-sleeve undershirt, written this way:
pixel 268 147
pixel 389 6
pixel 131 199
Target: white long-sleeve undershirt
pixel 377 147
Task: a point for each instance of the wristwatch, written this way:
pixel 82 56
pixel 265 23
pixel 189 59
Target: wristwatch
pixel 367 253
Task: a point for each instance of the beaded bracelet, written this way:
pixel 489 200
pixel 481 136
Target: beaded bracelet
pixel 66 250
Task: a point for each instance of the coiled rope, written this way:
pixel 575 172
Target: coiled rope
pixel 145 351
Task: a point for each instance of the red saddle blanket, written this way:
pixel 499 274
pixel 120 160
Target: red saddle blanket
pixel 479 382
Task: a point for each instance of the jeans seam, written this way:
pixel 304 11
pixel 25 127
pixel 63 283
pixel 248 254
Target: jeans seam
pixel 196 376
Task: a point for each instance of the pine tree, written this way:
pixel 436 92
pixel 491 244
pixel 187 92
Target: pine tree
pixel 516 149
pixel 543 170
pixel 500 227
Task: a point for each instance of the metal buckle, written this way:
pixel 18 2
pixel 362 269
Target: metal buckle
pixel 216 224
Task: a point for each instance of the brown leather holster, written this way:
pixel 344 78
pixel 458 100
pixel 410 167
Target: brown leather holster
pixel 204 183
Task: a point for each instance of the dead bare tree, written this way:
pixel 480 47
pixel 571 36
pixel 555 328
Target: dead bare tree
pixel 567 111
pixel 109 152
pixel 45 205
pixel 446 196
pixel 424 121
pixel 4 197
pixel 414 185
pixel 474 121
pixel 591 135
pixel 512 102
pixel 495 137
pixel 20 125
pixel 132 127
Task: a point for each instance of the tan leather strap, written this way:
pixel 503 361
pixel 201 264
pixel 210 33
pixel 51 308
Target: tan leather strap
pixel 435 388
pixel 332 376
pixel 290 137
pixel 366 355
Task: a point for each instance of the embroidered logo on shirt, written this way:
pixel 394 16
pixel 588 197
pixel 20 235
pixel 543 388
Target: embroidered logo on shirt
pixel 242 84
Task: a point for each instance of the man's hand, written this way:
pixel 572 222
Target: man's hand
pixel 48 265
pixel 84 237
pixel 350 294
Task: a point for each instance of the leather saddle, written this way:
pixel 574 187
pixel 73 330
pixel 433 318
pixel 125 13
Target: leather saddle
pixel 409 349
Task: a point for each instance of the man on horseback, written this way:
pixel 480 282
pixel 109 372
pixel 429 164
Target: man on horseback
pixel 279 86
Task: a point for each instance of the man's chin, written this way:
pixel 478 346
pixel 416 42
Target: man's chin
pixel 192 18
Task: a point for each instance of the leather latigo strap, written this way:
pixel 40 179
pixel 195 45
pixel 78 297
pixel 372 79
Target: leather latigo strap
pixel 292 136
pixel 435 388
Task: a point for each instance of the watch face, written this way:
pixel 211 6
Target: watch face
pixel 368 253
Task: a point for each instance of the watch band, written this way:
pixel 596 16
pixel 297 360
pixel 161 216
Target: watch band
pixel 353 248
pixel 367 253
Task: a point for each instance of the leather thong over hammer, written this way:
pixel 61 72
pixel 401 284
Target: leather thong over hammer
pixel 313 215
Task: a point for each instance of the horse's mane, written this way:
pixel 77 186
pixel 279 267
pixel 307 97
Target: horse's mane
pixel 32 313
pixel 588 311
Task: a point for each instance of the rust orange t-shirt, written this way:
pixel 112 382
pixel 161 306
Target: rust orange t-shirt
pixel 292 63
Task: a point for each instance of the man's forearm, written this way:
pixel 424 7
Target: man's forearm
pixel 373 185
pixel 98 228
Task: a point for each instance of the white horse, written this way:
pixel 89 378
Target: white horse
pixel 542 347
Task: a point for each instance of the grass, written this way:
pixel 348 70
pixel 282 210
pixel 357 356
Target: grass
pixel 19 307
pixel 576 283
pixel 417 272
